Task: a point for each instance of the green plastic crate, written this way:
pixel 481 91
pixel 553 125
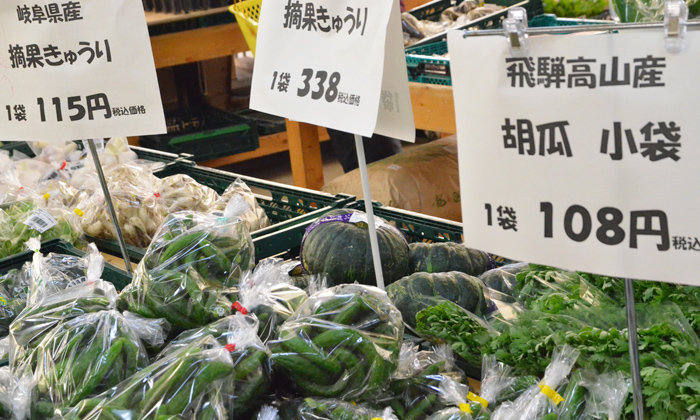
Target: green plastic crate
pixel 205 132
pixel 423 67
pixel 549 20
pixel 432 11
pixel 290 209
pixel 119 278
pixel 422 228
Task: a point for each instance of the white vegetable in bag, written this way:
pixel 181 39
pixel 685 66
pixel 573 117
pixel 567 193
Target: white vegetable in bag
pixel 182 193
pixel 239 201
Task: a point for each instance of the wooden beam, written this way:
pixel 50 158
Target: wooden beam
pixel 305 154
pixel 433 107
pixel 269 145
pixel 157 18
pixel 197 45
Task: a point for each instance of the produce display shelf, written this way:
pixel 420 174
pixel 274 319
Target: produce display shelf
pixel 290 209
pixel 118 277
pixel 205 132
pixel 422 228
pixel 433 9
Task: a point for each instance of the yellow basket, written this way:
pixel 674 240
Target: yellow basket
pixel 247 14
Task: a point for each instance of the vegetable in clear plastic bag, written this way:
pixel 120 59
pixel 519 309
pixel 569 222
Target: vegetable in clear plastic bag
pixel 132 189
pixel 329 409
pixel 415 390
pixel 24 220
pixel 172 387
pixel 541 400
pixel 251 368
pixel 607 394
pixel 239 201
pixel 15 395
pixel 83 357
pixel 181 193
pixel 502 279
pixel 38 320
pixel 627 11
pixel 186 274
pixel 343 342
pixel 267 293
pixel 13 298
pixel 499 384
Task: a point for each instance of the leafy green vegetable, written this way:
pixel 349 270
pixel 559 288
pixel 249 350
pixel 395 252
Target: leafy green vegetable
pixel 449 323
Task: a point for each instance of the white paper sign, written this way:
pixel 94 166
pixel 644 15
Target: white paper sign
pixel 76 69
pixel 334 63
pixel 584 155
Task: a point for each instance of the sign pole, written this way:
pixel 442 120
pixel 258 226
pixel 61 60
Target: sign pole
pixel 634 350
pixel 110 206
pixel 374 243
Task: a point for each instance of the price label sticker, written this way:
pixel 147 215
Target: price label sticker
pixel 588 148
pixel 77 69
pixel 40 220
pixel 334 63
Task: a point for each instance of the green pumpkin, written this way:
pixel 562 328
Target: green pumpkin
pixel 416 292
pixel 342 250
pixel 443 257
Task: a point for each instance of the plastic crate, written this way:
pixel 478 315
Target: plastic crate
pixel 290 210
pixel 17 146
pixel 267 124
pixel 119 278
pixel 422 228
pixel 432 11
pixel 424 67
pixel 247 14
pixel 206 133
pixel 548 20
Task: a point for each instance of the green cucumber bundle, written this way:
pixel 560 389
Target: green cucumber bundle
pixel 268 293
pixel 328 409
pixel 343 342
pixel 414 393
pixel 36 321
pixel 251 370
pixel 83 357
pixel 217 248
pixel 171 388
pixel 590 396
pixel 189 270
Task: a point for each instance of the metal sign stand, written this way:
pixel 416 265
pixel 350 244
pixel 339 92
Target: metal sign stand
pixel 675 25
pixel 374 243
pixel 110 206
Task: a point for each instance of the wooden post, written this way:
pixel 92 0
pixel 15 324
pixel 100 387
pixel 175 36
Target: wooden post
pixel 305 155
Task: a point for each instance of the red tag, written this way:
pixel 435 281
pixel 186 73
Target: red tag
pixel 157 195
pixel 63 166
pixel 230 347
pixel 237 306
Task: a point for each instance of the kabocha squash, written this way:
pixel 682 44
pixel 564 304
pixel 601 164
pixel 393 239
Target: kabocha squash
pixel 443 257
pixel 338 245
pixel 414 293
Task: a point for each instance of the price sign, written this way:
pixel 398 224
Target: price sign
pixel 334 63
pixel 582 155
pixel 75 69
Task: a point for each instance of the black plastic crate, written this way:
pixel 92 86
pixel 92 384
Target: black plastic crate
pixel 119 278
pixel 267 124
pixel 290 210
pixel 206 133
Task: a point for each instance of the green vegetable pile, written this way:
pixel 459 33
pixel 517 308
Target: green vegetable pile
pixel 575 8
pixel 317 409
pixel 342 343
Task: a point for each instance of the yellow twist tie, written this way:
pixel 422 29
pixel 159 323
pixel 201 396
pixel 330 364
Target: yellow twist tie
pixel 377 418
pixel 353 403
pixel 473 397
pixel 552 394
pixel 47 195
pixel 78 212
pixel 465 408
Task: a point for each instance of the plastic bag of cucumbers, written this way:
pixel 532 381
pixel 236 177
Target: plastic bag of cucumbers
pixel 268 293
pixel 178 386
pixel 83 357
pixel 15 395
pixel 329 409
pixel 37 321
pixel 189 269
pixel 251 368
pixel 343 342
